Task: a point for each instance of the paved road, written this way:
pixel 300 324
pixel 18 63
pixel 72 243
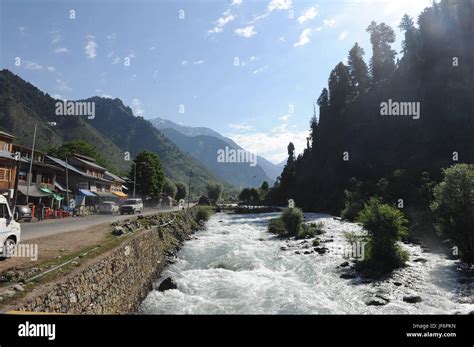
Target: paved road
pixel 55 226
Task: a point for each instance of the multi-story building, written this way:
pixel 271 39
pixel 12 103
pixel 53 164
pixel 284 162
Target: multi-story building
pixel 7 165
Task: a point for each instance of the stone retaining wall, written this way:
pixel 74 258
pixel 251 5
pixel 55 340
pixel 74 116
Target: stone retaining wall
pixel 117 281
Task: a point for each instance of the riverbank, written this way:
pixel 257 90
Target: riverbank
pixel 114 280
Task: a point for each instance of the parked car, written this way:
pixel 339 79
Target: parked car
pixel 10 230
pixel 23 212
pixel 108 207
pixel 132 206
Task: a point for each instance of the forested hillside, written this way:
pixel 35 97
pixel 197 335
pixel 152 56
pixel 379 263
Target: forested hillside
pixel 356 150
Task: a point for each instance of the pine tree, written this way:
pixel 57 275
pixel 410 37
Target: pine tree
pixel 382 64
pixel 358 70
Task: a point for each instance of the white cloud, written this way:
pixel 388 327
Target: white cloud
pixel 272 6
pixel 107 96
pixel 272 146
pixel 279 5
pixel 304 38
pixel 91 47
pixel 236 2
pixel 215 30
pixel 343 35
pixel 221 22
pixel 56 37
pixel 252 58
pixel 51 68
pixel 308 14
pixel 137 107
pixel 280 128
pixel 198 62
pixel 241 126
pixel 62 85
pixel 263 68
pixel 61 50
pixel 246 32
pixel 116 60
pixel 184 62
pixel 224 20
pixel 285 117
pixel 330 22
pixel 31 65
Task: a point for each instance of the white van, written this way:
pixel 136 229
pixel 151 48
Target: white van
pixel 10 230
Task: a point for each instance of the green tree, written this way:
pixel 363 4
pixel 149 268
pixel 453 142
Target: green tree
pixel 339 86
pixel 169 188
pixel 149 174
pixel 182 191
pixel 410 45
pixel 453 208
pixel 382 63
pixel 254 196
pixel 264 186
pixel 214 191
pixel 292 219
pixel 68 149
pixel 358 70
pixel 245 196
pixel 385 226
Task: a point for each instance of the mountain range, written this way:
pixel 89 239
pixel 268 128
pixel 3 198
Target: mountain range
pixel 203 143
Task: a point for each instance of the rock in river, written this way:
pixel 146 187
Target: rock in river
pixel 412 299
pixel 167 284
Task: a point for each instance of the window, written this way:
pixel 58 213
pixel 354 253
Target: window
pixel 4 211
pixel 4 146
pixel 33 176
pixel 47 178
pixel 22 176
pixel 4 175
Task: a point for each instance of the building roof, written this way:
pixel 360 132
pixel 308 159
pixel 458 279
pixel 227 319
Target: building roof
pixel 114 177
pixel 89 163
pixel 28 149
pixel 74 169
pixel 2 133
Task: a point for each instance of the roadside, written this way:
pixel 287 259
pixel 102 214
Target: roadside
pixel 44 228
pixel 57 238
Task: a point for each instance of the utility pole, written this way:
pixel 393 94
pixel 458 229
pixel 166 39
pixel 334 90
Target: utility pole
pixel 189 188
pixel 135 175
pixel 17 175
pixel 134 178
pixel 31 164
pixel 67 184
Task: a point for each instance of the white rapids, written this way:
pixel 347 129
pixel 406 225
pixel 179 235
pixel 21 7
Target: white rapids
pixel 235 266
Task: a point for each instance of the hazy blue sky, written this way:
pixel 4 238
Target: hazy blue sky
pixel 238 66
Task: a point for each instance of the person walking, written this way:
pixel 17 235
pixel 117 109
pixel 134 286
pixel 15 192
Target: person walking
pixel 40 211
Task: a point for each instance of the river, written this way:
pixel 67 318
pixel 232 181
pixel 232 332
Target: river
pixel 235 266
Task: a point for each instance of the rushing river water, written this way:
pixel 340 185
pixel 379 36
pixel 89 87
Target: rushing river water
pixel 235 266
